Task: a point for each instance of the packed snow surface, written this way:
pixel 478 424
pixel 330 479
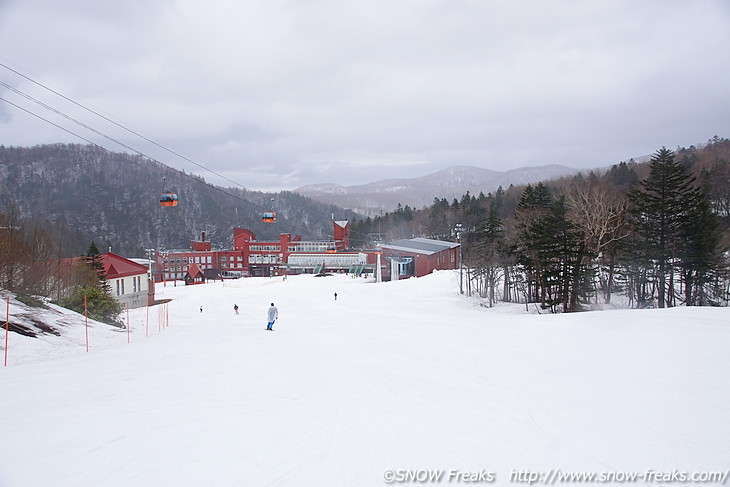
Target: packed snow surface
pixel 388 378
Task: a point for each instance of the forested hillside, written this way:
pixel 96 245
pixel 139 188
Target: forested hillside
pixel 87 193
pixel 657 232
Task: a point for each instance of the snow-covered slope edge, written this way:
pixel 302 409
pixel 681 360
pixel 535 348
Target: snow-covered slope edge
pixel 393 376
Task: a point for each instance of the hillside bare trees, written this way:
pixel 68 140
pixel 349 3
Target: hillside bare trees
pixel 601 214
pixel 26 248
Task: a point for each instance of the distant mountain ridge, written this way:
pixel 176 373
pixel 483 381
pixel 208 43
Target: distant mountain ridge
pixel 449 183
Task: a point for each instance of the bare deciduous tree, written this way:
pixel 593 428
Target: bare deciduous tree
pixel 600 213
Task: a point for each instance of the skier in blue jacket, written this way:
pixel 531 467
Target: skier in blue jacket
pixel 273 315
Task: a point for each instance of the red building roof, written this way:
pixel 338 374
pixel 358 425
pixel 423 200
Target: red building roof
pixel 117 266
pixel 194 271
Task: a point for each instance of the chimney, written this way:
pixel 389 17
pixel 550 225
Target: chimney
pixel 202 237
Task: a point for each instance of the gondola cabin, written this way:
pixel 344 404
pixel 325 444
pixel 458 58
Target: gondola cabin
pixel 168 199
pixel 269 217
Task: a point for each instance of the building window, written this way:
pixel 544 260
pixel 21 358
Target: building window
pixel 117 287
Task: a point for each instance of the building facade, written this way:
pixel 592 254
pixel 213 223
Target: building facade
pixel 292 255
pixel 252 257
pixel 128 281
pixel 416 257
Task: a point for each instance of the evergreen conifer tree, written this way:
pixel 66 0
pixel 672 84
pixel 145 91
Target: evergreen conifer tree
pixel 665 209
pixel 93 259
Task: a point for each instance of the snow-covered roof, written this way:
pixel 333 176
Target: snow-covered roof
pixel 425 246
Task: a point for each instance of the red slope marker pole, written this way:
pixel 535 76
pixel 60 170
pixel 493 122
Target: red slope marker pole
pixel 86 315
pixel 7 328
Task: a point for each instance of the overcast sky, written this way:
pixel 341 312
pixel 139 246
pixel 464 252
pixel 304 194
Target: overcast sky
pixel 275 94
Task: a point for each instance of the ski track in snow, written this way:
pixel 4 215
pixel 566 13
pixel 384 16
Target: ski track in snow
pixel 395 375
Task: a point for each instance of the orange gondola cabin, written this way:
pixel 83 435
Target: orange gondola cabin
pixel 168 199
pixel 269 217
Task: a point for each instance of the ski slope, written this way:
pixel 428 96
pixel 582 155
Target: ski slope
pixel 397 376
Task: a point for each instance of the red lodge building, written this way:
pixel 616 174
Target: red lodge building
pixel 292 255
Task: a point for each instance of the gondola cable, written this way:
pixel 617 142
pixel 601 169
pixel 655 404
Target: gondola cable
pixel 112 139
pixel 122 126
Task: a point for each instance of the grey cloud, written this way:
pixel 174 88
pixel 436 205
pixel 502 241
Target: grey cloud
pixel 290 93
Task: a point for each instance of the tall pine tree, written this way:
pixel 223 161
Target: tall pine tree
pixel 93 259
pixel 663 208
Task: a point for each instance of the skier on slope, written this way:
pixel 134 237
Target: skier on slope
pixel 272 315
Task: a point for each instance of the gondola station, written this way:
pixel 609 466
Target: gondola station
pixel 251 257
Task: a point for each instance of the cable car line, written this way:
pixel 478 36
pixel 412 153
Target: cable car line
pixel 67 117
pixel 112 139
pixel 131 131
pixel 190 176
pixel 52 123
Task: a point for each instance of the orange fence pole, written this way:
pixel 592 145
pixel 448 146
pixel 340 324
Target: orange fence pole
pixel 7 330
pixel 86 314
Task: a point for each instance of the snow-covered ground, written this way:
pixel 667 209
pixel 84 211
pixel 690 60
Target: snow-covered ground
pixel 389 380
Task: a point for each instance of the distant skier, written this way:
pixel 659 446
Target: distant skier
pixel 335 296
pixel 272 315
pixel 235 308
pixel 201 309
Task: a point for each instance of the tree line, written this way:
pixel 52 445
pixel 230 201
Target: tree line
pixel 32 266
pixel 656 232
